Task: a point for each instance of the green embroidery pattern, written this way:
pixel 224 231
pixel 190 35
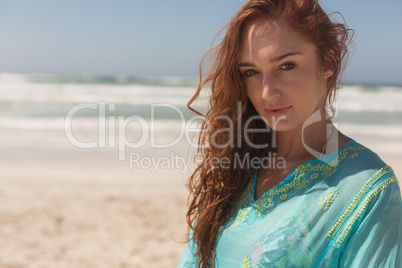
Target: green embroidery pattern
pixel 345 232
pixel 328 197
pixel 247 205
pixel 357 200
pixel 246 262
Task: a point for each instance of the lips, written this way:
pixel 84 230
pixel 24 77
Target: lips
pixel 276 111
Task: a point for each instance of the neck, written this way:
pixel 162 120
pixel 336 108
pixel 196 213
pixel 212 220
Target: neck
pixel 304 142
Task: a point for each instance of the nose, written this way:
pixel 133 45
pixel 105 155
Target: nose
pixel 270 89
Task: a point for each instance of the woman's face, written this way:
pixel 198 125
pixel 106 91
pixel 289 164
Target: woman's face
pixel 282 73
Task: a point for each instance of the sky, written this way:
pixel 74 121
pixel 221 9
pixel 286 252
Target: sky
pixel 160 37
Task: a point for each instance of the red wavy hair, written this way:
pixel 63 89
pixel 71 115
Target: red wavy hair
pixel 215 191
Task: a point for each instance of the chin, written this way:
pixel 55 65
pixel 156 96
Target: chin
pixel 278 126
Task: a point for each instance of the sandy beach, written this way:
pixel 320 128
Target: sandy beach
pixel 80 208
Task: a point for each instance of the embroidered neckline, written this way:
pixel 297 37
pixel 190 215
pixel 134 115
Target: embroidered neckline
pixel 328 167
pixel 324 167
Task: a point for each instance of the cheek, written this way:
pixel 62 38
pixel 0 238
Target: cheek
pixel 253 90
pixel 253 96
pixel 307 86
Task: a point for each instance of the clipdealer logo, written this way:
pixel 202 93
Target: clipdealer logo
pixel 109 125
pixel 112 134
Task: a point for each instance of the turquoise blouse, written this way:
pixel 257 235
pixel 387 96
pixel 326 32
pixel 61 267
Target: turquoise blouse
pixel 341 210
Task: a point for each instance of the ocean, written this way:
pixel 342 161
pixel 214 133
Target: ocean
pixel 36 109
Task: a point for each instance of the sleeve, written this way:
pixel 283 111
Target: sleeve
pixel 377 241
pixel 188 260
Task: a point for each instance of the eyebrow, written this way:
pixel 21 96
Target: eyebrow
pixel 273 60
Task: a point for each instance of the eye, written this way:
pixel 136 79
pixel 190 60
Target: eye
pixel 288 66
pixel 249 72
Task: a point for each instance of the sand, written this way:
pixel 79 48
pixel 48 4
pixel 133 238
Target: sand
pixel 67 207
pixel 77 208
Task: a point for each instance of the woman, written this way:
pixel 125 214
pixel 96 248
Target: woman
pixel 279 185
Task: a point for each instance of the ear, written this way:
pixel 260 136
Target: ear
pixel 327 73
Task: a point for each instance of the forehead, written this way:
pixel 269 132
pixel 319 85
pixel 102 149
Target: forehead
pixel 265 37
